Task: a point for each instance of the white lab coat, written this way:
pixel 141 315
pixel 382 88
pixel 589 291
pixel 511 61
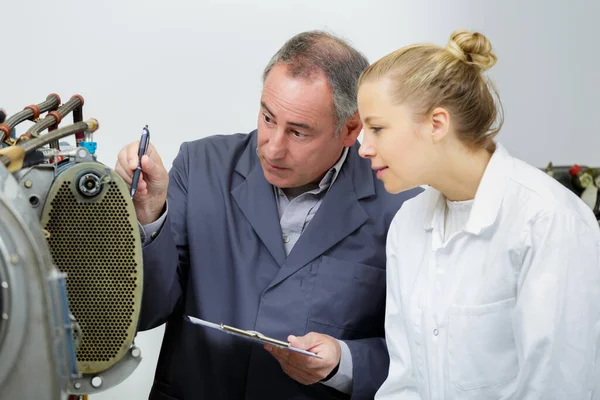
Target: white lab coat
pixel 509 307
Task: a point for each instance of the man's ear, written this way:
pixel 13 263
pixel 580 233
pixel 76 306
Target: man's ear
pixel 351 130
pixel 440 124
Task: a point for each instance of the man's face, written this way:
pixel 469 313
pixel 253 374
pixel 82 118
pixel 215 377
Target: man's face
pixel 297 144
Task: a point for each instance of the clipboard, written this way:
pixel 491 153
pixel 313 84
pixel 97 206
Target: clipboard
pixel 249 335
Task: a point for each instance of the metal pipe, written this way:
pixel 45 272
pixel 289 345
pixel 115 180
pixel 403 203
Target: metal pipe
pixel 55 117
pixel 91 125
pixel 29 112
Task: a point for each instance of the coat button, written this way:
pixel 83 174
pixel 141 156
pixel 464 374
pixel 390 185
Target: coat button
pixel 435 332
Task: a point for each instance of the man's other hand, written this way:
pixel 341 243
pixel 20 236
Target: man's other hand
pixel 305 369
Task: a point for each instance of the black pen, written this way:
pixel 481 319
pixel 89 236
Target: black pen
pixel 143 148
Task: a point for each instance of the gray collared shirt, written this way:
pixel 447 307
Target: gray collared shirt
pixel 298 207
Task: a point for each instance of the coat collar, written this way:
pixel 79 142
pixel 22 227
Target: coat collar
pixel 338 216
pixel 487 201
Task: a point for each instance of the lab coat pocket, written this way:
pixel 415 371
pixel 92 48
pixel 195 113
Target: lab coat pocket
pixel 348 295
pixel 481 345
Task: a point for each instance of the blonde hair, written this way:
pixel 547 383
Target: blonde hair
pixel 429 76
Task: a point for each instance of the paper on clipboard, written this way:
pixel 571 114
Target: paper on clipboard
pixel 249 335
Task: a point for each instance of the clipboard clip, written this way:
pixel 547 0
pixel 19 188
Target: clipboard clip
pixel 255 335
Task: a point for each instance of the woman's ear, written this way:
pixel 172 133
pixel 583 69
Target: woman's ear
pixel 440 123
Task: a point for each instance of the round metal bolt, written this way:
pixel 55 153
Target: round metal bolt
pixel 82 153
pixel 5 284
pixel 14 259
pixel 77 385
pixel 28 184
pixel 89 184
pixel 135 352
pixel 96 382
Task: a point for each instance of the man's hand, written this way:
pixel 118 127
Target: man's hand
pixel 151 194
pixel 305 369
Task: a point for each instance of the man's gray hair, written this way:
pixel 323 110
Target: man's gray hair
pixel 312 52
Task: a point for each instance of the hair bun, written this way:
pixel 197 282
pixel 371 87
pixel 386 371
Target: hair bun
pixel 472 48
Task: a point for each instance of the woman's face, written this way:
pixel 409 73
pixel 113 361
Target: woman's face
pixel 398 146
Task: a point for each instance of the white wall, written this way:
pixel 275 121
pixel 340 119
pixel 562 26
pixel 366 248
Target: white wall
pixel 192 68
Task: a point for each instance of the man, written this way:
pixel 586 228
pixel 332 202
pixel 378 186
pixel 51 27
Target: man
pixel 281 231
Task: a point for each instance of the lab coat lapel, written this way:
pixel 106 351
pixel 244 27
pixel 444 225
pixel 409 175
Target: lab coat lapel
pixel 339 215
pixel 256 199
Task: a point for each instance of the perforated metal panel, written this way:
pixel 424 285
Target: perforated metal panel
pixel 103 264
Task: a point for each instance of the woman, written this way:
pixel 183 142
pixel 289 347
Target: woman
pixel 494 270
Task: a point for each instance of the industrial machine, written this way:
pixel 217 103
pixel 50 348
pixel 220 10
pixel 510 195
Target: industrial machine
pixel 582 180
pixel 71 271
